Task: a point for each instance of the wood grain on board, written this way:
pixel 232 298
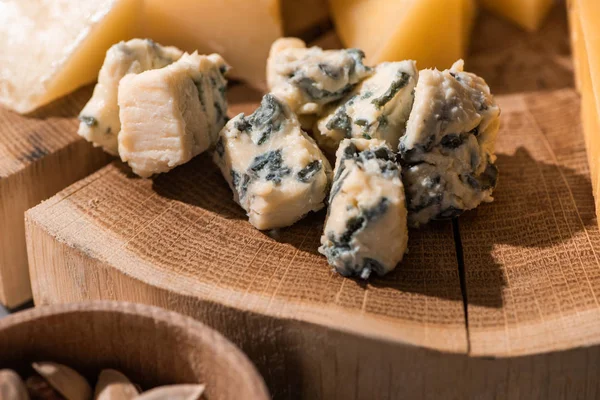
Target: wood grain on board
pixel 528 261
pixel 532 259
pixel 40 154
pixel 184 233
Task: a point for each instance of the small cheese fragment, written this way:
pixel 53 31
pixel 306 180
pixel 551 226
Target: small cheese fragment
pixel 49 48
pixel 433 34
pixel 172 114
pixel 241 31
pixel 448 148
pixel 99 118
pixel 308 78
pixel 366 228
pixel 378 108
pixel 275 170
pixel 528 14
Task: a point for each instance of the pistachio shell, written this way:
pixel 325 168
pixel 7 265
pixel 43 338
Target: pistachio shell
pixel 65 380
pixel 12 386
pixel 113 385
pixel 173 392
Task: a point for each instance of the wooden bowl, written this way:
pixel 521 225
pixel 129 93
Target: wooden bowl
pixel 150 345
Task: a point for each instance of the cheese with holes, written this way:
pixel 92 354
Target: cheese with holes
pixel 433 34
pixel 49 48
pixel 366 227
pixel 172 114
pixel 448 149
pixel 99 118
pixel 241 31
pixel 585 35
pixel 275 170
pixel 378 108
pixel 528 14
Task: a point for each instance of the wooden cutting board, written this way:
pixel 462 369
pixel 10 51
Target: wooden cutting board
pixel 499 304
pixel 40 154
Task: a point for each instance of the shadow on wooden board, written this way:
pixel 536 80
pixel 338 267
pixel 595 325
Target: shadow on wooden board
pixel 200 184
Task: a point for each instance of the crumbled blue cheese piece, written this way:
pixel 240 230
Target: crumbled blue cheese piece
pixel 366 228
pixel 448 148
pixel 276 171
pixel 378 108
pixel 172 114
pixel 99 118
pixel 307 78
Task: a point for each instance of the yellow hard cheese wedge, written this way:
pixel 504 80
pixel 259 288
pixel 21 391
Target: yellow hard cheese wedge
pixel 528 14
pixel 49 48
pixel 585 35
pixel 432 32
pixel 242 31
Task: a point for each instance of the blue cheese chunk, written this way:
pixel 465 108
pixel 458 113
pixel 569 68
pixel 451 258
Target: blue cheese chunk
pixel 307 78
pixel 448 148
pixel 366 228
pixel 172 114
pixel 100 123
pixel 276 171
pixel 378 108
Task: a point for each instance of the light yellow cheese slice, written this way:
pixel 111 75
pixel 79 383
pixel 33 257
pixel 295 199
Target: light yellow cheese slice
pixel 242 31
pixel 50 48
pixel 528 14
pixel 395 30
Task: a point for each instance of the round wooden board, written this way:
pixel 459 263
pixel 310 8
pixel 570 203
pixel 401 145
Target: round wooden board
pixel 516 279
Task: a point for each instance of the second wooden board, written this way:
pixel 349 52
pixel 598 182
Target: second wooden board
pixel 40 154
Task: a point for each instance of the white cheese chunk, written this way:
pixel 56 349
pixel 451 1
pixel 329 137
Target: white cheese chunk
pixel 308 78
pixel 172 114
pixel 366 228
pixel 276 171
pixel 378 108
pixel 448 148
pixel 49 48
pixel 99 118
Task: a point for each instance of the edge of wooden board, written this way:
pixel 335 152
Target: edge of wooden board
pixel 305 360
pixel 40 154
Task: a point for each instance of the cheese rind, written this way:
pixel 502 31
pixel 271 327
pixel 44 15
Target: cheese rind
pixel 378 108
pixel 99 118
pixel 308 78
pixel 528 14
pixel 50 48
pixel 172 114
pixel 275 170
pixel 366 227
pixel 448 148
